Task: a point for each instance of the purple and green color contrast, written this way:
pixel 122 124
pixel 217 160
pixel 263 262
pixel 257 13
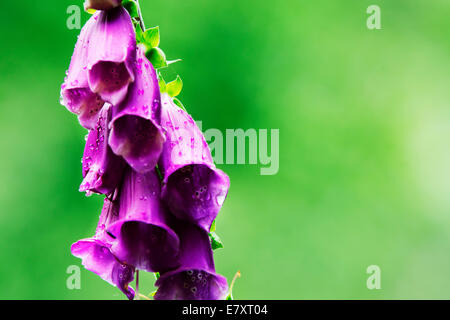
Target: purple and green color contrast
pixel 145 154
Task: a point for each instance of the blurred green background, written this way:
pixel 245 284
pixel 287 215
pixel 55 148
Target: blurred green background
pixel 364 120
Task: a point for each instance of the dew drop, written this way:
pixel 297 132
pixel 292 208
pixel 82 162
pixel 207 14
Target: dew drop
pixel 220 199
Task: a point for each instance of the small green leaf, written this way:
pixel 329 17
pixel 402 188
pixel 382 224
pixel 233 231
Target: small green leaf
pixel 161 83
pixel 152 294
pixel 138 30
pixel 178 103
pixel 213 226
pixel 157 275
pixel 90 11
pixel 151 37
pixel 174 87
pixel 131 7
pixel 162 86
pixel 229 297
pixel 216 243
pixel 156 57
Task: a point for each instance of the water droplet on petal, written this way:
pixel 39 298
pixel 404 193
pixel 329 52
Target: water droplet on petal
pixel 220 199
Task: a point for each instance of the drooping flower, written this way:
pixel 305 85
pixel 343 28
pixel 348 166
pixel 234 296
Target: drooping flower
pixel 111 53
pixel 76 95
pixel 196 278
pixel 97 257
pixel 101 66
pixel 142 234
pixel 194 188
pixel 136 134
pixel 102 169
pixel 101 4
pixel 145 223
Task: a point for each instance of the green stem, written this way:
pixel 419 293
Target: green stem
pixel 141 20
pixel 137 295
pixel 161 178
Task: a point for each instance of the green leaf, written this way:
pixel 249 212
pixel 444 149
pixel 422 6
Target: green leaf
pixel 139 33
pixel 216 243
pixel 131 7
pixel 156 57
pixel 178 103
pixel 161 83
pixel 229 297
pixel 90 11
pixel 213 226
pixel 157 275
pixel 151 37
pixel 174 87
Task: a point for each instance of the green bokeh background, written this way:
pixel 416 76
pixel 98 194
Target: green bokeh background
pixel 364 120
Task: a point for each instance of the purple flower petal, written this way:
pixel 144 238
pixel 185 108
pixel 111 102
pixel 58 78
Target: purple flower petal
pixel 194 188
pixel 111 55
pixel 75 92
pixel 196 278
pixel 135 131
pixel 102 169
pixel 143 236
pixel 101 4
pixel 97 257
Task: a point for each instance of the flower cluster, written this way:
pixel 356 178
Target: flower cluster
pixel 149 159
